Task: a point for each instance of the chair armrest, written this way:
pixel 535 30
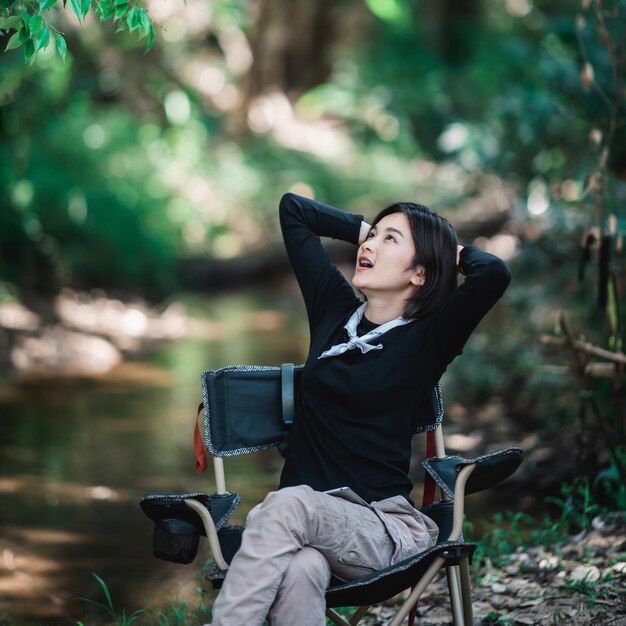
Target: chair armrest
pixel 188 515
pixel 210 530
pixel 491 469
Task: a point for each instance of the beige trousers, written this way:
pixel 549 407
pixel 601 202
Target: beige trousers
pixel 296 538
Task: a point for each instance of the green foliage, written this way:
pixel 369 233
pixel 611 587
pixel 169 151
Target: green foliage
pixel 118 619
pixel 175 614
pixel 575 508
pixel 34 22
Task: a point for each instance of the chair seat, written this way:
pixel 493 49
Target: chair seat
pixel 381 585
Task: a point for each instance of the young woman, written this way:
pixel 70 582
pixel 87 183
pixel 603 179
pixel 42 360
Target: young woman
pixel 370 371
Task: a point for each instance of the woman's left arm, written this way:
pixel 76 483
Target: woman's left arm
pixel 449 328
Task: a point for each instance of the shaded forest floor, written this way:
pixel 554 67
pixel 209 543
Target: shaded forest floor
pixel 580 581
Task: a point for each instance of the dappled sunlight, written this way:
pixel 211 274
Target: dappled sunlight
pixel 40 536
pixel 53 492
pixel 98 314
pixel 502 245
pixel 18 317
pixel 64 352
pixel 326 138
pixel 463 443
pixel 92 333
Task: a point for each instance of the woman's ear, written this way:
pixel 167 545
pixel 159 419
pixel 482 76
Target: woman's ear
pixel 418 277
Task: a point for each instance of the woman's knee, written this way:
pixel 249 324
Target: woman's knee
pixel 290 498
pixel 308 568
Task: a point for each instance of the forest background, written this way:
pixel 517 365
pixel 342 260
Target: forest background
pixel 146 174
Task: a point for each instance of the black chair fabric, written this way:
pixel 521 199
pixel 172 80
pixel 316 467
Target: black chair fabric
pixel 381 585
pixel 243 409
pixel 491 469
pixel 177 528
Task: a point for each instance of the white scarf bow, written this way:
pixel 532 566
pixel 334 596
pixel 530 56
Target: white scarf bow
pixel 355 341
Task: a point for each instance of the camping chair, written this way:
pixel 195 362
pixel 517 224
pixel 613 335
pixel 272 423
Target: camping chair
pixel 241 410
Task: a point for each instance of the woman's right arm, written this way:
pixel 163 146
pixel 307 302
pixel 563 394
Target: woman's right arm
pixel 303 221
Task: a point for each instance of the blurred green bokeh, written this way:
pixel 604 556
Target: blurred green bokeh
pixel 118 164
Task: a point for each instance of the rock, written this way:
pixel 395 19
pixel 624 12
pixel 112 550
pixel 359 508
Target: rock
pixel 498 588
pixel 617 569
pixel 549 562
pixel 585 573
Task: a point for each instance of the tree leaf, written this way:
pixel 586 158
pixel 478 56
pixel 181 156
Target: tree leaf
pixel 61 47
pixel 43 38
pixel 133 19
pixel 150 37
pixel 14 42
pixel 77 9
pixel 105 9
pixel 46 4
pixel 29 51
pixel 107 13
pixel 35 24
pixel 23 34
pixel 120 10
pixel 15 22
pixel 85 5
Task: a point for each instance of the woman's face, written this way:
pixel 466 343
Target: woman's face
pixel 384 260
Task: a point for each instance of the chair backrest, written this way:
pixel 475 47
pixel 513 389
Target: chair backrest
pixel 249 408
pixel 243 408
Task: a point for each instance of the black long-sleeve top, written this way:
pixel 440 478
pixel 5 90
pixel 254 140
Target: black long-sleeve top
pixel 356 413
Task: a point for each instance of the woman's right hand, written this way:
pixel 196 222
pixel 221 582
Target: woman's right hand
pixel 364 232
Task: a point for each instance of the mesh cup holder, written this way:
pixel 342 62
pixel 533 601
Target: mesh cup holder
pixel 175 540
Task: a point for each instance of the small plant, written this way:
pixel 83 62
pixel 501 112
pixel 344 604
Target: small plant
pixel 118 620
pixel 589 589
pixel 494 618
pixel 175 614
pixel 509 531
pixel 577 506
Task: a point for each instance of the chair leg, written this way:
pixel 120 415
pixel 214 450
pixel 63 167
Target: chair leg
pixel 336 618
pixel 354 619
pixel 417 591
pixel 358 614
pixel 466 592
pixel 455 594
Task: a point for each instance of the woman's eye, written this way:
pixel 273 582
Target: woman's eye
pixel 391 237
pixel 371 234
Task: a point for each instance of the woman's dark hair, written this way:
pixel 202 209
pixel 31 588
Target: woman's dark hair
pixel 435 249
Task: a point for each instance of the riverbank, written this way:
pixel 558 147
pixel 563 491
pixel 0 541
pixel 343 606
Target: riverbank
pixel 82 334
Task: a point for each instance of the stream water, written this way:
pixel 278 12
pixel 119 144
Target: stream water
pixel 77 455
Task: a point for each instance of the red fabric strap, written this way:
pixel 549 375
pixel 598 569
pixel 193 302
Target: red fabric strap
pixel 429 483
pixel 198 444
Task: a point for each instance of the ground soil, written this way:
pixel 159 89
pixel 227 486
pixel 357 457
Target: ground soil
pixel 581 581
